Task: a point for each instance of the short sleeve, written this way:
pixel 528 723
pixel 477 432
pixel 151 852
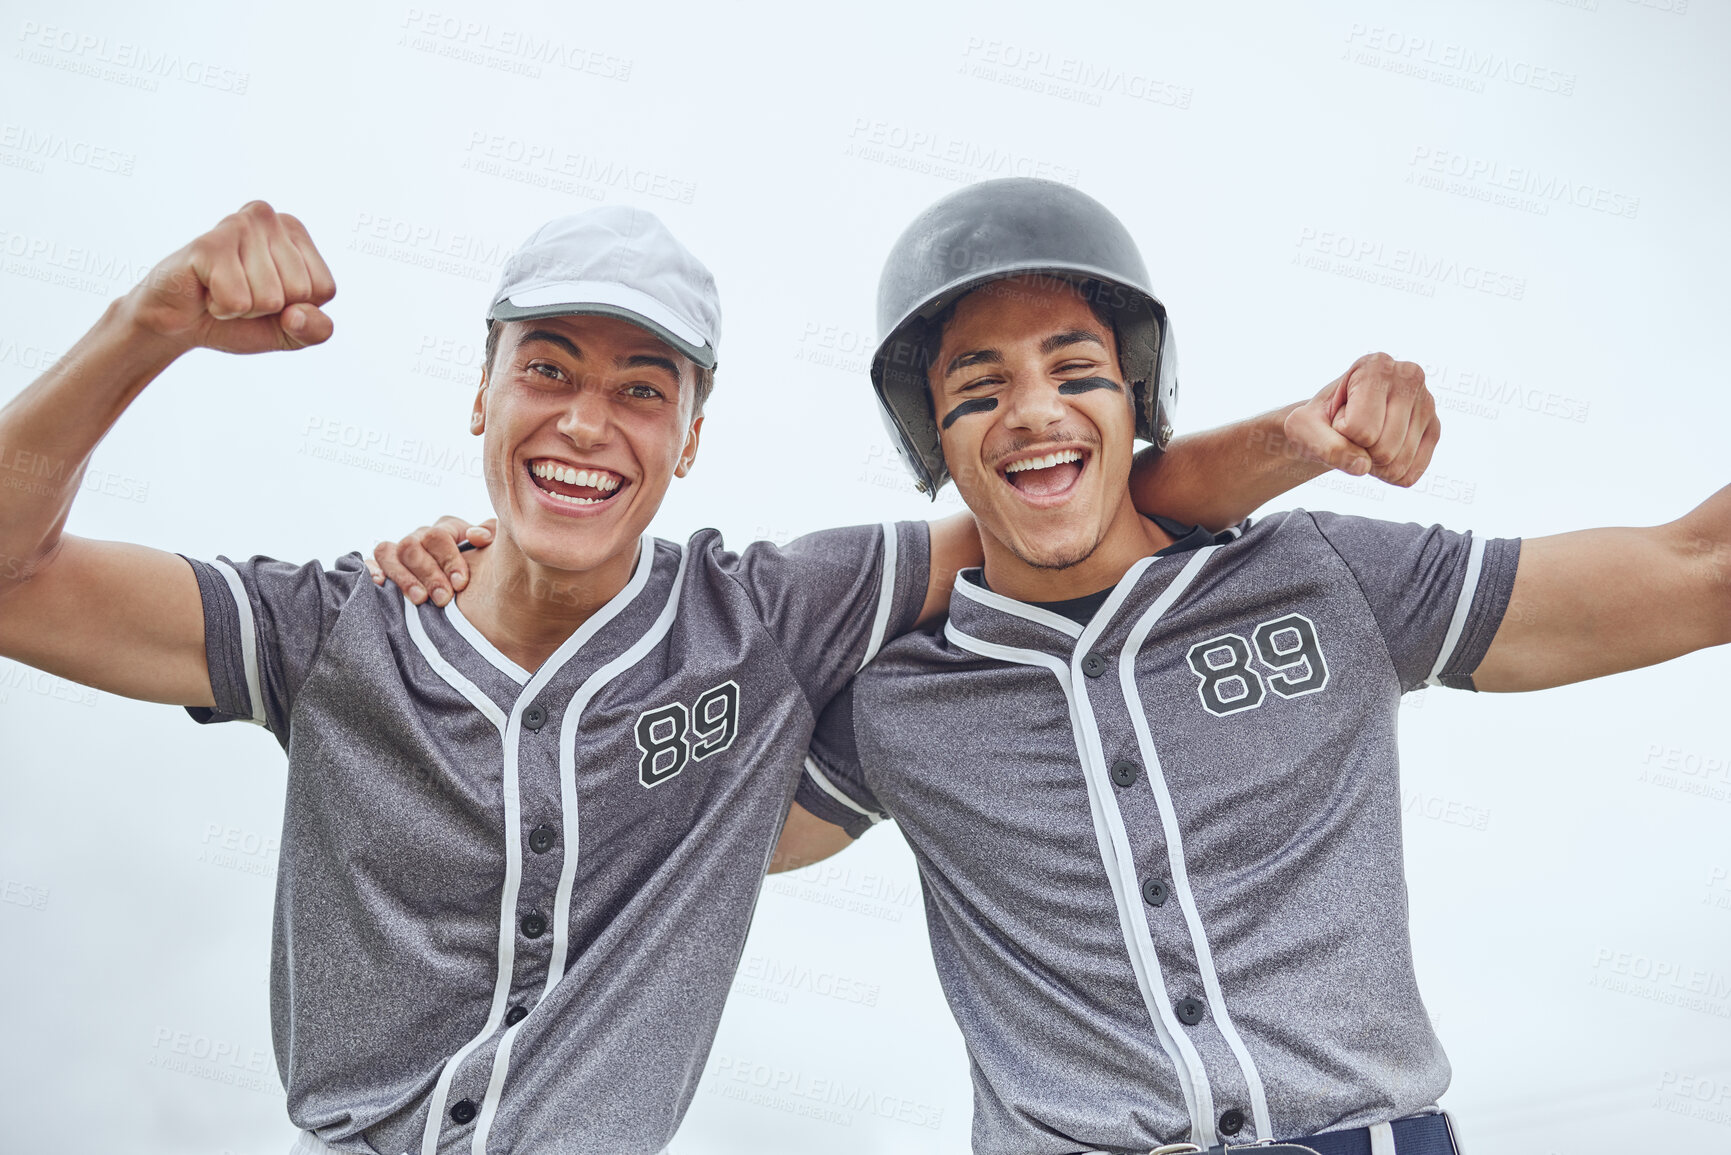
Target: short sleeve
pixel 833 598
pixel 265 622
pixel 833 786
pixel 1438 596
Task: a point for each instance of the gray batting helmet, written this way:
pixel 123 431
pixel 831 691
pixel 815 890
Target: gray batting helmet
pixel 1006 228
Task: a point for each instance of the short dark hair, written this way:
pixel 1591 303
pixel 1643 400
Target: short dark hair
pixel 703 380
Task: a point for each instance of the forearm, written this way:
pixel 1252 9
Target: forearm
pixel 1219 477
pixel 49 431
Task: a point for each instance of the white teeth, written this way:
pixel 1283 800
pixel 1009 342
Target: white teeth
pixel 593 478
pixel 1046 462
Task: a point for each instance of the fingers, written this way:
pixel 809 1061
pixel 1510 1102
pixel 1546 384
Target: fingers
pixel 1391 415
pixel 1308 428
pixel 428 564
pixel 440 544
pixel 1364 418
pixel 322 286
pixel 304 325
pixel 218 267
pixel 263 282
pixel 1421 458
pixel 481 536
pixel 401 562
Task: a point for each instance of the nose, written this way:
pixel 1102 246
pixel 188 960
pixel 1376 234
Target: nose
pixel 1033 404
pixel 586 420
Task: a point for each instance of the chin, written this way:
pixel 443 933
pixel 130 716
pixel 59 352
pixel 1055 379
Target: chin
pixel 575 549
pixel 1053 555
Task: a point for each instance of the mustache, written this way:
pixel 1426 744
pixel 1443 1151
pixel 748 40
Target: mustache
pixel 1087 439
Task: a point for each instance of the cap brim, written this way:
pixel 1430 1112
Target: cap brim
pixel 640 309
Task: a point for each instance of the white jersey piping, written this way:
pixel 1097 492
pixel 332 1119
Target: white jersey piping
pixel 248 640
pixel 1174 836
pixel 1123 864
pixel 1186 1062
pixel 478 641
pixel 997 601
pixel 509 788
pixel 1463 608
pixel 490 710
pixel 886 597
pixel 822 782
pixel 568 791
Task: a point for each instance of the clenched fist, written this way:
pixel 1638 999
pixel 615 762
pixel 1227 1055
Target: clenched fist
pixel 252 284
pixel 1375 418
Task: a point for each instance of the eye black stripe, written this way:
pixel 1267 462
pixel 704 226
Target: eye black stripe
pixel 1087 384
pixel 976 405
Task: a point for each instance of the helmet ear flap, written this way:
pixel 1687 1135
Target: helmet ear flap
pixel 1140 335
pixel 907 411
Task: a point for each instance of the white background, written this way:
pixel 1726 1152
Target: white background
pixel 1567 852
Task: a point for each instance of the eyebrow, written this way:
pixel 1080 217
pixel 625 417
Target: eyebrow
pixel 551 337
pixel 652 361
pixel 635 361
pixel 1073 337
pixel 974 357
pixel 1050 345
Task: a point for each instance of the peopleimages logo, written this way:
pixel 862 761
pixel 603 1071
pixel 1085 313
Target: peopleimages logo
pixel 1408 269
pixel 1512 186
pixel 1448 63
pixel 121 61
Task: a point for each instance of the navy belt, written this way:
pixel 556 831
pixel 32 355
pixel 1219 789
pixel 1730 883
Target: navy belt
pixel 1415 1135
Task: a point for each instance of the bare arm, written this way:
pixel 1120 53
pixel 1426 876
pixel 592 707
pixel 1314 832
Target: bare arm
pixel 806 839
pixel 1601 601
pixel 125 618
pixel 1376 418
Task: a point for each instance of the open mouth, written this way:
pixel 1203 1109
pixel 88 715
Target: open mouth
pixel 573 485
pixel 1048 475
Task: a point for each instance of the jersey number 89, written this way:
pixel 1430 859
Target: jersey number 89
pixel 1287 646
pixel 672 737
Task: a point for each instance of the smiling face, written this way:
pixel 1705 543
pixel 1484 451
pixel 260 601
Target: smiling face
pixel 1035 419
pixel 586 421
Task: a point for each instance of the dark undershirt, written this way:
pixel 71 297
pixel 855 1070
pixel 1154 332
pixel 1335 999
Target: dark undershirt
pixel 1082 610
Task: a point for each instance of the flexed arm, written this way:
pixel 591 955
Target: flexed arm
pixel 119 617
pixel 1600 601
pixel 1377 418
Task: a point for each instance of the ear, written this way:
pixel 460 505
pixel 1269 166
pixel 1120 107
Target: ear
pixel 689 453
pixel 478 415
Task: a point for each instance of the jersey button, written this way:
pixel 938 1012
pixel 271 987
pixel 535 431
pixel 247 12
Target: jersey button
pixel 1190 1011
pixel 1124 773
pixel 534 717
pixel 1154 892
pixel 515 1015
pixel 1093 665
pixel 462 1111
pixel 541 839
pixel 1231 1121
pixel 534 925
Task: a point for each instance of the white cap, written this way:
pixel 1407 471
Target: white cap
pixel 614 261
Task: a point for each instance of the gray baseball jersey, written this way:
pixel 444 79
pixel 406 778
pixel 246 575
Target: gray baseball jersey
pixel 510 903
pixel 1161 853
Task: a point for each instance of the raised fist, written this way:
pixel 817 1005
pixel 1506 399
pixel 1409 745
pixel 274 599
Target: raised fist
pixel 252 284
pixel 1375 418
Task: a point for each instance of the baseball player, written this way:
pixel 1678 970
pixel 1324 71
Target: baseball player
pixel 1163 872
pixel 524 830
